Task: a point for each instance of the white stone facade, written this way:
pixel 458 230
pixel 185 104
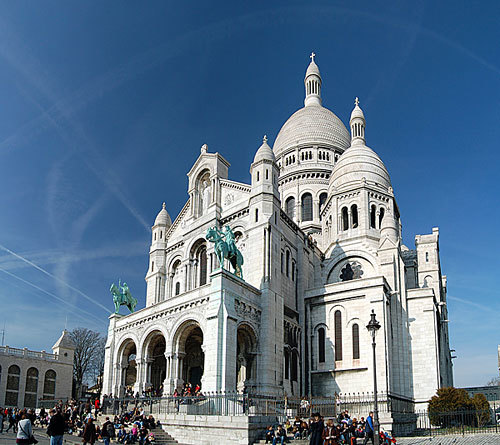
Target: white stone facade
pixel 28 376
pixel 320 232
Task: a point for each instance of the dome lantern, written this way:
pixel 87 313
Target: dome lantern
pixel 358 124
pixel 312 83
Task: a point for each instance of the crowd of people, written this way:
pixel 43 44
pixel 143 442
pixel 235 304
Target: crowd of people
pixel 344 430
pixel 79 419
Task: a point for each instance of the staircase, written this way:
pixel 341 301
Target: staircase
pixel 290 441
pixel 162 437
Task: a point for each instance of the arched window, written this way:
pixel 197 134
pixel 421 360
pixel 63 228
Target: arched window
pixel 321 345
pixel 161 234
pixel 354 216
pixel 322 200
pixel 355 341
pixel 31 388
pixel 345 219
pixel 290 207
pixel 373 216
pixel 287 264
pixel 282 263
pixel 258 176
pixel 294 368
pixel 256 215
pixel 202 261
pixel 381 217
pixel 154 236
pixel 287 365
pixel 307 207
pixel 12 390
pixel 338 336
pixel 293 270
pixel 49 385
pixel 177 288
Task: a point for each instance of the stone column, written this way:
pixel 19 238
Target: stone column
pixel 138 386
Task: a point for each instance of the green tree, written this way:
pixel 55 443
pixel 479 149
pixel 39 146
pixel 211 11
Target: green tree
pixel 446 403
pixel 482 409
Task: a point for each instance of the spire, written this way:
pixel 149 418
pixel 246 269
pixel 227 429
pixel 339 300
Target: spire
pixel 358 124
pixel 312 83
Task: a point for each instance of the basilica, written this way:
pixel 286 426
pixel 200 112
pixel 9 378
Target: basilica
pixel 319 231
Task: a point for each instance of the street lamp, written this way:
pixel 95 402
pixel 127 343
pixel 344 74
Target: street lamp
pixel 373 326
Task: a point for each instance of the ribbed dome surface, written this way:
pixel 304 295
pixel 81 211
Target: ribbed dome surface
pixel 356 163
pixel 264 152
pixel 312 125
pixel 163 218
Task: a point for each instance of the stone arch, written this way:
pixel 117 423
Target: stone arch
pixel 198 255
pixel 203 188
pixel 174 275
pixel 246 356
pixel 31 388
pixel 362 266
pixel 189 353
pixel 126 359
pixel 153 350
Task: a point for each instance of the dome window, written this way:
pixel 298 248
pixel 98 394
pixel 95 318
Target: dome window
pixel 322 200
pixel 307 207
pixel 290 207
pixel 354 216
pixel 381 217
pixel 345 219
pixel 373 216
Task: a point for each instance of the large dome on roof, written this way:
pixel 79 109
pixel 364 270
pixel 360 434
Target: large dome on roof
pixel 359 163
pixel 315 125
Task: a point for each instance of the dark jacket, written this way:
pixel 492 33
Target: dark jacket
pixel 89 433
pixel 57 425
pixel 317 433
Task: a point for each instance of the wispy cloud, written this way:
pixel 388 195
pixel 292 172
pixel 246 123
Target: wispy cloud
pixel 482 307
pixel 78 311
pixel 59 280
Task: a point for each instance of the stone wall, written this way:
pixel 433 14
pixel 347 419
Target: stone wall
pixel 216 430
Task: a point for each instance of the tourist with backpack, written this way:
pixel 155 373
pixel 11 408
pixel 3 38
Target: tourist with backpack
pixel 107 431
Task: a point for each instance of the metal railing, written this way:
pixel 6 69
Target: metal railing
pixel 457 422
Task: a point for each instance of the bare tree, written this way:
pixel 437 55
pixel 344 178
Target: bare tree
pixel 89 347
pixel 495 381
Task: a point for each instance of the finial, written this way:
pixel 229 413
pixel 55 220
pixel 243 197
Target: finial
pixel 356 101
pixel 163 206
pixel 312 56
pixel 264 139
pixel 204 148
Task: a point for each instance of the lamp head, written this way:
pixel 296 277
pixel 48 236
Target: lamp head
pixel 373 326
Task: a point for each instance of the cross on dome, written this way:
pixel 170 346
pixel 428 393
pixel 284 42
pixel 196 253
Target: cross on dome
pixel 356 101
pixel 163 206
pixel 312 56
pixel 264 139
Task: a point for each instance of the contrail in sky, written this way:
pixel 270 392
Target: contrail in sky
pixel 78 310
pixel 36 266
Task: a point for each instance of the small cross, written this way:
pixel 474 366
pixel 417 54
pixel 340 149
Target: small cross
pixel 312 56
pixel 356 101
pixel 264 139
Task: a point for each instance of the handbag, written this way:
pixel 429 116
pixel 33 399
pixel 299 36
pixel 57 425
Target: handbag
pixel 31 439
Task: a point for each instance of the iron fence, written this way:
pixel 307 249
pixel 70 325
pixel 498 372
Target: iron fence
pixel 457 422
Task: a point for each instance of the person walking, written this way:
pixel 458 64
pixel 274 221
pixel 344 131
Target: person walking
pixel 56 428
pixel 107 431
pixel 369 429
pixel 24 431
pixel 89 432
pixel 1 420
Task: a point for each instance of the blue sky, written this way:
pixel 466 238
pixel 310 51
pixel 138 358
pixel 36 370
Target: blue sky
pixel 104 107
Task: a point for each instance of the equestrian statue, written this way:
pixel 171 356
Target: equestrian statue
pixel 122 296
pixel 225 247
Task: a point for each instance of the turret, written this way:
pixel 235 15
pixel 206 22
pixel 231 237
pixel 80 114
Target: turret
pixel 155 277
pixel 358 124
pixel 312 83
pixel 264 170
pixel 64 347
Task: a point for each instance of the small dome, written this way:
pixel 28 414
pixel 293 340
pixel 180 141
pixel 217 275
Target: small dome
pixel 264 152
pixel 313 69
pixel 163 218
pixel 389 227
pixel 360 163
pixel 314 125
pixel 357 112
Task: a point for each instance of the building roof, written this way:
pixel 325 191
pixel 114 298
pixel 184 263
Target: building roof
pixel 163 218
pixel 264 152
pixel 64 341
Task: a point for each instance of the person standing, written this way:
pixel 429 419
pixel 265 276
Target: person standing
pixel 107 431
pixel 369 429
pixel 56 428
pixel 1 420
pixel 24 431
pixel 317 427
pixel 89 432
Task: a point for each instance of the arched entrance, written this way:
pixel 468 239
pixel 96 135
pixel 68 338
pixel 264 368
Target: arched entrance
pixel 246 353
pixel 156 363
pixel 127 376
pixel 190 354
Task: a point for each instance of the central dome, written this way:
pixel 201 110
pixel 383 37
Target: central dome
pixel 312 125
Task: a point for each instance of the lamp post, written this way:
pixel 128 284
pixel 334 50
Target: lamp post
pixel 373 326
